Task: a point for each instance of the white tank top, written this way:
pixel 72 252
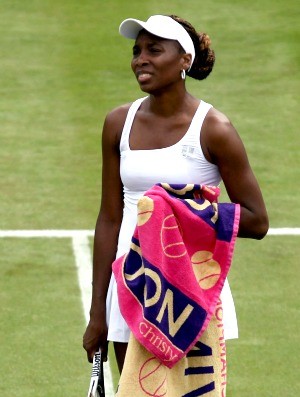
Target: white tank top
pixel 183 162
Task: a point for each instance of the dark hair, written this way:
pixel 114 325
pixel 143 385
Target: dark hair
pixel 204 55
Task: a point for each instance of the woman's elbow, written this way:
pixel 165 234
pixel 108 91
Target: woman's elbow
pixel 261 226
pixel 253 225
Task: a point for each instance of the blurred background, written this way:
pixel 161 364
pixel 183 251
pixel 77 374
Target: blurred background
pixel 63 67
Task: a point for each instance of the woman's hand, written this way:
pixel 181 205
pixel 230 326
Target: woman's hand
pixel 95 338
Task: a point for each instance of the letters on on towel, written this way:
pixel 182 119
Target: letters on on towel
pixel 171 279
pixel 202 371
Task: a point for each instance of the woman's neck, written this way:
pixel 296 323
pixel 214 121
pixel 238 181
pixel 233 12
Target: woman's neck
pixel 168 104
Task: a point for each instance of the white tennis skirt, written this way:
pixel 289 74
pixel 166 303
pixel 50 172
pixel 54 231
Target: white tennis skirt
pixel 118 330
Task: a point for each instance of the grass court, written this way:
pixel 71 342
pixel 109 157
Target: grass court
pixel 63 67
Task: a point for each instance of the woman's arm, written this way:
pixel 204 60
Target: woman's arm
pixel 106 232
pixel 223 147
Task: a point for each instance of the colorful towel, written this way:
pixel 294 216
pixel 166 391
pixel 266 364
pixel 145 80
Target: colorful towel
pixel 203 371
pixel 171 279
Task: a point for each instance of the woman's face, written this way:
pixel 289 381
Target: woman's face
pixel 156 62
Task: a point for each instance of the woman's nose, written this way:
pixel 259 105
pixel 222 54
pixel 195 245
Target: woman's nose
pixel 142 59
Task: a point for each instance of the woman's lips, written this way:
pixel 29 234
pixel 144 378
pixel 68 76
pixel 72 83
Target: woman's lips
pixel 143 77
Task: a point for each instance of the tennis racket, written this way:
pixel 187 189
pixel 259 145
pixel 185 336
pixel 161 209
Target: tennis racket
pixel 96 388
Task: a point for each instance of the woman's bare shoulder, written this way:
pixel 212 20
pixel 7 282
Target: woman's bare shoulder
pixel 217 122
pixel 114 123
pixel 117 115
pixel 219 137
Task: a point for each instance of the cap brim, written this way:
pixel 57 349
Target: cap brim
pixel 161 26
pixel 131 27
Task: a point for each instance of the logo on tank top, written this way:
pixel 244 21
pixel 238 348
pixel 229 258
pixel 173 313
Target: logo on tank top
pixel 188 151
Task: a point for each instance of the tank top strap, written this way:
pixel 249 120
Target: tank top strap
pixel 198 119
pixel 124 141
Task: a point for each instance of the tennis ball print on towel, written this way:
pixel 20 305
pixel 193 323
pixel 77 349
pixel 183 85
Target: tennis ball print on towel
pixel 207 270
pixel 153 378
pixel 145 210
pixel 170 235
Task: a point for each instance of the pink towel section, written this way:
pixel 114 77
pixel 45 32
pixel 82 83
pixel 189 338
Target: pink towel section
pixel 170 281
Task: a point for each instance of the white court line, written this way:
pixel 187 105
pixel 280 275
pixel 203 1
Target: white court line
pixel 83 259
pixel 51 233
pixel 280 231
pixel 284 231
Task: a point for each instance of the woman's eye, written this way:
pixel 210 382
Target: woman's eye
pixel 135 51
pixel 155 49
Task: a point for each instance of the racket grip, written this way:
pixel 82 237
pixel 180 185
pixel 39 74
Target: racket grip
pixel 96 388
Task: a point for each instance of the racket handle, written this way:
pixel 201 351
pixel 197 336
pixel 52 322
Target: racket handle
pixel 100 386
pixel 96 388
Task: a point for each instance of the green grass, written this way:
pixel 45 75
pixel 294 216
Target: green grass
pixel 41 320
pixel 264 278
pixel 63 66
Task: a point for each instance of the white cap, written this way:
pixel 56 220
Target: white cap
pixel 161 26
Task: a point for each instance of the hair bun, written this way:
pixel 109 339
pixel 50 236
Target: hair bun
pixel 204 55
pixel 204 41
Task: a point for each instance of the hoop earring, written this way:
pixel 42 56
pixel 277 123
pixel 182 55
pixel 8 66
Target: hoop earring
pixel 183 74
